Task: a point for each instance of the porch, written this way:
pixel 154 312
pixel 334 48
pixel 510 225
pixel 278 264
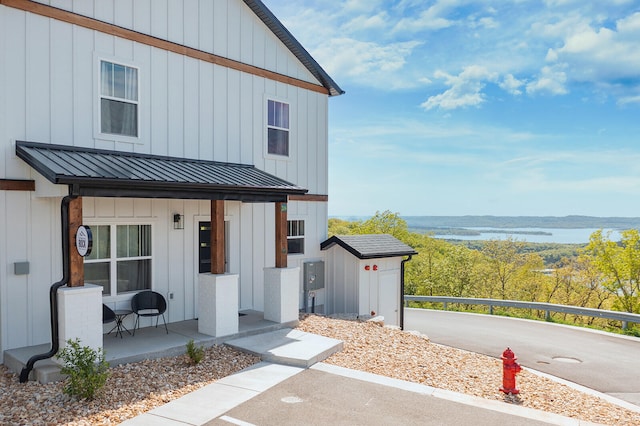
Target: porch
pixel 148 343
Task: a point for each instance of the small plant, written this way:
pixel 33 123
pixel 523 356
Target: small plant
pixel 86 369
pixel 196 353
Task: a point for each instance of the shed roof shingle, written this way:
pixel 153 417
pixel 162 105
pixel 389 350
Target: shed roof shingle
pixel 370 246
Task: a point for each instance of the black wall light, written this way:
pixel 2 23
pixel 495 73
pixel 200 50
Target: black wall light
pixel 178 221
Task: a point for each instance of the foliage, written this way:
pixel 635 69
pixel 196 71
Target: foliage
pixel 195 353
pixel 86 369
pixel 619 264
pixel 601 274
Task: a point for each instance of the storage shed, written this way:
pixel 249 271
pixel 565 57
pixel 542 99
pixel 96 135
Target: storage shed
pixel 365 275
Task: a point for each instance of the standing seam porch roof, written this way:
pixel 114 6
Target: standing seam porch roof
pixel 104 173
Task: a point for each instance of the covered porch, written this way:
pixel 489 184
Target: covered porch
pixel 148 343
pixel 75 307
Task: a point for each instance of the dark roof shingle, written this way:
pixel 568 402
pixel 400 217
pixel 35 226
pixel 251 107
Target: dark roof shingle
pixel 370 246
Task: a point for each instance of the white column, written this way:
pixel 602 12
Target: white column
pixel 80 315
pixel 218 304
pixel 281 289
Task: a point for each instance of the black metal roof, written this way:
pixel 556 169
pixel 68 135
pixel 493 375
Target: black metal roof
pixel 370 246
pixel 293 45
pixel 104 173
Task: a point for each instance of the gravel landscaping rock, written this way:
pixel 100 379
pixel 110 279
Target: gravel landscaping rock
pixel 133 389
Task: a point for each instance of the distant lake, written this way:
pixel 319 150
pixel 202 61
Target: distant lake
pixel 543 235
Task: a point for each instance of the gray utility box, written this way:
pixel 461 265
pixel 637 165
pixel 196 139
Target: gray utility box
pixel 313 280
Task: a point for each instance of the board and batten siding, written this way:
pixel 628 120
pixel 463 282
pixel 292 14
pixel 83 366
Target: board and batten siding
pixel 188 108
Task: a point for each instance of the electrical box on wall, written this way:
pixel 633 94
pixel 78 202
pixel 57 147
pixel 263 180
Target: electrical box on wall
pixel 313 275
pixel 21 268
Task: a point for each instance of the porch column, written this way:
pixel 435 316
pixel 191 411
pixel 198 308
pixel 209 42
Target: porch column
pixel 281 235
pixel 80 315
pixel 76 262
pixel 217 236
pixel 217 291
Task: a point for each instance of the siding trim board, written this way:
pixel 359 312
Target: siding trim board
pixel 17 185
pixel 328 88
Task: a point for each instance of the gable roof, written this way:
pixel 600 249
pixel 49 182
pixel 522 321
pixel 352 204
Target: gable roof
pixel 104 173
pixel 294 46
pixel 370 246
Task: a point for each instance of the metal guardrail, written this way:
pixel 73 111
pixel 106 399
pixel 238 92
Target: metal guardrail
pixel 625 317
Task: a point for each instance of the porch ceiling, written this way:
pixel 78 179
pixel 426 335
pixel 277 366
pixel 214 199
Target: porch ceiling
pixel 105 173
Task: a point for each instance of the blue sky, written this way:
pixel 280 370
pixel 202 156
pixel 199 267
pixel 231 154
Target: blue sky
pixel 457 107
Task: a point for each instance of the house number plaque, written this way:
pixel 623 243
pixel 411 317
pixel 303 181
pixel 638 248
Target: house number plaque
pixel 84 240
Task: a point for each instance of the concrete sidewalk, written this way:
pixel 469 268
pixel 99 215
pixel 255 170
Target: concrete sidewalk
pixel 286 391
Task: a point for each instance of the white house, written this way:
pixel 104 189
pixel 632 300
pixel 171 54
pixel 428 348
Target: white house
pixel 190 136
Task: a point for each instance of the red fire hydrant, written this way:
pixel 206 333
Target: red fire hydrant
pixel 509 370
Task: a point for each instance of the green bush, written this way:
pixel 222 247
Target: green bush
pixel 86 369
pixel 196 353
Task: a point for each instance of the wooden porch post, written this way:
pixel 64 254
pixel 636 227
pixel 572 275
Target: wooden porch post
pixel 76 262
pixel 217 236
pixel 281 235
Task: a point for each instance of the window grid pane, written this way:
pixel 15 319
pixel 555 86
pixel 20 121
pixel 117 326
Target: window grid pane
pixel 118 112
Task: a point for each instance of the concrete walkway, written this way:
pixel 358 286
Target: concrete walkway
pixel 284 391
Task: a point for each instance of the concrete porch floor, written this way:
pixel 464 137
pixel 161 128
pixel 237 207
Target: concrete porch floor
pixel 148 343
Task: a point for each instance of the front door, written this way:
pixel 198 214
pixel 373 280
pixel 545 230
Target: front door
pixel 204 247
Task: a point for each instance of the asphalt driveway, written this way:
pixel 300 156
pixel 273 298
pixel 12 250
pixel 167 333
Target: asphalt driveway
pixel 601 361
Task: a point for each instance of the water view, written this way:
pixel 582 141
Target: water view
pixel 531 235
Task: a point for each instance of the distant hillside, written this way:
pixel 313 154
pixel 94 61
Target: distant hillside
pixel 565 222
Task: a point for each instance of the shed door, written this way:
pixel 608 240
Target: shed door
pixel 389 296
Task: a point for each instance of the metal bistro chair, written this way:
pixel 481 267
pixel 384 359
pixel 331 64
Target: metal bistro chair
pixel 148 304
pixel 107 315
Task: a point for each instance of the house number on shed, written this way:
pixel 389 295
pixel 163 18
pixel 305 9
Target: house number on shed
pixel 84 240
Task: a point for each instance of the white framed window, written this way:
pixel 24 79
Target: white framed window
pixel 295 236
pixel 119 94
pixel 120 260
pixel 278 129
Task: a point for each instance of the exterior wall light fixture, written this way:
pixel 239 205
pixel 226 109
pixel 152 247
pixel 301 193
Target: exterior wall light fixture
pixel 178 221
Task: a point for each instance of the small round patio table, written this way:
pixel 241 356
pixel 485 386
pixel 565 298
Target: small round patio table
pixel 121 314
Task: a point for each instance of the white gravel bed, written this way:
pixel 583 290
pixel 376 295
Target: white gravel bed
pixel 133 389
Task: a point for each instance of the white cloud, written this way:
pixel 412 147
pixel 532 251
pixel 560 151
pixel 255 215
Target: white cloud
pixel 511 84
pixel 551 80
pixel 368 63
pixel 625 100
pixel 602 54
pixel 367 23
pixel 429 19
pixel 464 89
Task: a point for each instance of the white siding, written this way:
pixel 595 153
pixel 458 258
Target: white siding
pixel 227 28
pixel 49 93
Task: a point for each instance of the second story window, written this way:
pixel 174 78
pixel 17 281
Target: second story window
pixel 118 99
pixel 277 128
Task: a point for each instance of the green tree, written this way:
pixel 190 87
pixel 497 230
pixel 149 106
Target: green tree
pixel 385 223
pixel 504 259
pixel 619 264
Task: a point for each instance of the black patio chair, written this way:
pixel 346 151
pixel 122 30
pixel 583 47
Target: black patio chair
pixel 148 304
pixel 107 315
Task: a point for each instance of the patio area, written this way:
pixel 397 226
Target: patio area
pixel 148 343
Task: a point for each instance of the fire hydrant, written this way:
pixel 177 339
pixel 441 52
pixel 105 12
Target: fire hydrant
pixel 509 370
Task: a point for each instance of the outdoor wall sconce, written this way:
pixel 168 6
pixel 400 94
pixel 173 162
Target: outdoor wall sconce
pixel 178 221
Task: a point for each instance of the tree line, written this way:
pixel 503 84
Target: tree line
pixel 603 274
